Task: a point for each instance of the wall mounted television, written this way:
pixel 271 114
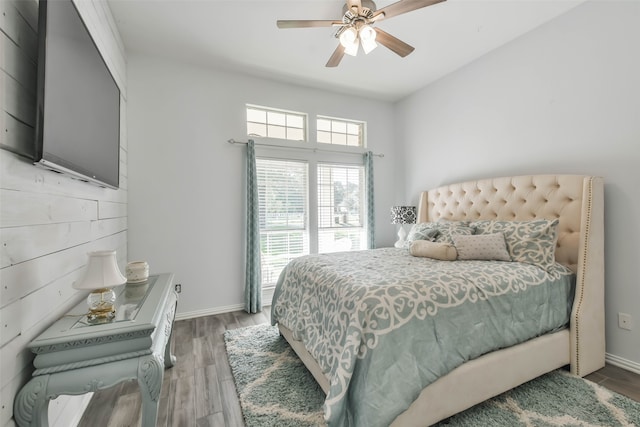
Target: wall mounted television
pixel 78 100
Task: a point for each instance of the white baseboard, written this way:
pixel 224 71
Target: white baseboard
pixel 208 311
pixel 267 296
pixel 620 362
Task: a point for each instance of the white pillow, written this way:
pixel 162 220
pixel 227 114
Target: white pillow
pixel 435 250
pixel 481 247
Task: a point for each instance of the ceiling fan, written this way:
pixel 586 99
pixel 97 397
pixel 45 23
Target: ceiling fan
pixel 355 28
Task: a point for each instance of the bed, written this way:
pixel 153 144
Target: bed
pixel 573 203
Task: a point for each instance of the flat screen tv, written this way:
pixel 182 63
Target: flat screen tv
pixel 78 100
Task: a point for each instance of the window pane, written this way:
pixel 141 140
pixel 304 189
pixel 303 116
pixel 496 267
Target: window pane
pixel 273 123
pixel 278 248
pixel 340 208
pixel 295 134
pixel 340 127
pixel 256 129
pixel 340 132
pixel 295 121
pixel 274 118
pixel 258 116
pixel 353 129
pixel 282 192
pixel 341 240
pixel 339 138
pixel 276 132
pixel 324 137
pixel 323 124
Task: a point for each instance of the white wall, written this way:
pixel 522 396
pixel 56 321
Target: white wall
pixel 186 192
pixel 564 98
pixel 47 222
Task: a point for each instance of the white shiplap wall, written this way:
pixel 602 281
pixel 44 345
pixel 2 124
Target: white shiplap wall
pixel 48 222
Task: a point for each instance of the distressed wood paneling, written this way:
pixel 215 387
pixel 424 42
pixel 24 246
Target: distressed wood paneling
pixel 28 9
pixel 16 27
pixel 10 326
pixel 18 65
pixel 17 101
pixel 19 244
pixel 23 208
pixel 107 227
pixel 48 221
pixel 17 173
pixel 16 136
pixel 111 209
pixel 21 279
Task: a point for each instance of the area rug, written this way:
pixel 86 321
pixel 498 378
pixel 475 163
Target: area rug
pixel 275 389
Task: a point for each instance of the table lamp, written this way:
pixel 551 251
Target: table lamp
pixel 101 275
pixel 402 215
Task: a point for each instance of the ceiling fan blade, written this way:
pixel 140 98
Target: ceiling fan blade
pixel 401 7
pixel 336 57
pixel 393 43
pixel 297 23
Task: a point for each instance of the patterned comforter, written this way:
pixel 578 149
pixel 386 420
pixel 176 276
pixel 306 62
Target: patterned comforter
pixel 383 325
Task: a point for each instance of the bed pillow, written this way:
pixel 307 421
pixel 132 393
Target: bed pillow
pixel 422 231
pixel 532 242
pixel 435 250
pixel 482 247
pixel 446 229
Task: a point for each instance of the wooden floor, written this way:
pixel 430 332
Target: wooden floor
pixel 199 390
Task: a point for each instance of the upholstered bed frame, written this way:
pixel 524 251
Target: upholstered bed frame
pixel 578 202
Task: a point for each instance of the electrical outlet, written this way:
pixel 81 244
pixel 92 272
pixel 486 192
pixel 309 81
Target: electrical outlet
pixel 624 321
pixel 178 288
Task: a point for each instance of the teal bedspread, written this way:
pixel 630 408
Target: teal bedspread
pixel 383 324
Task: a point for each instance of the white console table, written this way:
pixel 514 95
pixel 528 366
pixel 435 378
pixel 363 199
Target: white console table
pixel 74 356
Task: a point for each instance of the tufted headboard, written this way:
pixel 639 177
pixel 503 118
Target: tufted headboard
pixel 517 198
pixel 578 202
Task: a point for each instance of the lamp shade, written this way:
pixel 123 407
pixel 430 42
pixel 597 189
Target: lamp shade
pixel 102 272
pixel 403 215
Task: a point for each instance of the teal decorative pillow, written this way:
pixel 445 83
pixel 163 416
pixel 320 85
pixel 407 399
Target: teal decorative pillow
pixel 422 231
pixel 481 247
pixel 440 231
pixel 446 229
pixel 532 242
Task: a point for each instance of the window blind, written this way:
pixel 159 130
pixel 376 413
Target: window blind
pixel 340 208
pixel 282 191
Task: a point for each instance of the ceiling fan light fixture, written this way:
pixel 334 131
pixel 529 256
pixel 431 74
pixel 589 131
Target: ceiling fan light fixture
pixel 351 49
pixel 349 37
pixel 368 38
pixel 369 45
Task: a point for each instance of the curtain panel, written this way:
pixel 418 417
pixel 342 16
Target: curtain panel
pixel 253 280
pixel 368 169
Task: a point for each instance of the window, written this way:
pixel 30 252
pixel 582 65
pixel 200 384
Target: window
pixel 271 123
pixel 311 200
pixel 340 131
pixel 340 208
pixel 282 191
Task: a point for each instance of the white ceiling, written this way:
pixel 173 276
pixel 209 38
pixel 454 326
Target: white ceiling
pixel 242 35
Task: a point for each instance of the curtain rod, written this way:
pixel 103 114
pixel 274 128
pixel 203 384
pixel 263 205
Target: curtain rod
pixel 233 141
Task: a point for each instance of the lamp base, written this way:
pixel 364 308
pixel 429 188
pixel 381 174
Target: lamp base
pixel 402 235
pixel 101 305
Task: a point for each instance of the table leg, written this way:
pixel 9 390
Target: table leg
pixel 169 358
pixel 31 406
pixel 150 373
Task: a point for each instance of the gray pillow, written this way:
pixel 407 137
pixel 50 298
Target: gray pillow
pixel 533 242
pixel 422 231
pixel 481 247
